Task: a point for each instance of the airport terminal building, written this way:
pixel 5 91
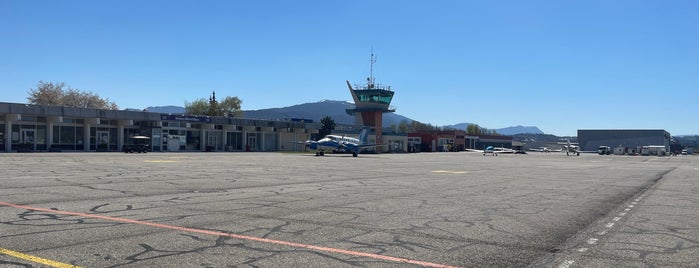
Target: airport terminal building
pixel 26 127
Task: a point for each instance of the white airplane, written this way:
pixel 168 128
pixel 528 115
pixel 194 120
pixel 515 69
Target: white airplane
pixel 569 147
pixel 341 142
pixel 544 150
pixel 497 150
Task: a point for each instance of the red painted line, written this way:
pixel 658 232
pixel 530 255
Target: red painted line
pixel 237 236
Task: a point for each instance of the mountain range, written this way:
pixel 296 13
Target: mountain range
pixel 336 110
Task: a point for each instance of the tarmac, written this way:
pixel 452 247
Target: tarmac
pixel 378 210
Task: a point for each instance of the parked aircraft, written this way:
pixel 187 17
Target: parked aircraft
pixel 341 142
pixel 569 147
pixel 541 149
pixel 497 150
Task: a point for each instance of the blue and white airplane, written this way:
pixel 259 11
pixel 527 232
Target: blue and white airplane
pixel 341 142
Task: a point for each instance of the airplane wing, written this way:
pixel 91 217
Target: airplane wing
pixel 371 145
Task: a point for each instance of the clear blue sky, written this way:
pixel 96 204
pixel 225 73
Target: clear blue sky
pixel 558 65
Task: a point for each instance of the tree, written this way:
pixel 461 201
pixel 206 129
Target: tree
pixel 473 129
pixel 402 127
pixel 327 125
pixel 58 94
pixel 200 107
pixel 422 127
pixel 230 106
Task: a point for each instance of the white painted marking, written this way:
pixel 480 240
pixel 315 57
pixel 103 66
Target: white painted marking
pixel 622 214
pixel 627 209
pixel 603 232
pixel 638 199
pixel 609 225
pixel 582 249
pixel 630 206
pixel 634 203
pixel 566 264
pixel 616 219
pixel 592 241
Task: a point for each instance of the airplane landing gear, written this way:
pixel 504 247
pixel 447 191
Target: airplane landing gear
pixel 355 154
pixel 320 153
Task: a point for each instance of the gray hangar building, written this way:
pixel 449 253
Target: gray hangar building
pixel 591 139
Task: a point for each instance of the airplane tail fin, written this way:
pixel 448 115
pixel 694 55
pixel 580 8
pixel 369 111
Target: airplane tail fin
pixel 363 135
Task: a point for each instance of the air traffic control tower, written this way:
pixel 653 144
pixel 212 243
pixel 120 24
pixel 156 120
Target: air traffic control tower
pixel 371 101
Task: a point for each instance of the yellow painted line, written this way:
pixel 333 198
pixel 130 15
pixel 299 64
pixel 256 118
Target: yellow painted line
pixel 36 259
pixel 449 171
pixel 161 161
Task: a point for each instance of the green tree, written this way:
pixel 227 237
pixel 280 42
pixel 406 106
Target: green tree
pixel 198 107
pixel 418 126
pixel 403 127
pixel 58 94
pixel 327 125
pixel 213 106
pixel 473 129
pixel 230 106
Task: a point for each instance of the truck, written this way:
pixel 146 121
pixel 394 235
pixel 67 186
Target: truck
pixel 604 150
pixel 658 150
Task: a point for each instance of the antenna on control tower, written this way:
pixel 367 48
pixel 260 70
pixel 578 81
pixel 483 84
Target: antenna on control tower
pixel 370 80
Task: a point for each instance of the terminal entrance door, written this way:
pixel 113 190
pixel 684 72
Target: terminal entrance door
pixel 173 143
pixel 102 140
pixel 252 143
pixel 27 136
pixel 103 137
pixel 212 140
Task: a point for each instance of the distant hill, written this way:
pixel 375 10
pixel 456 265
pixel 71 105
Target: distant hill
pixel 505 131
pixel 317 110
pixel 166 109
pixel 519 130
pixel 688 140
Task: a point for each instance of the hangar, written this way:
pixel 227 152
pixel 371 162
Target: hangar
pixel 632 139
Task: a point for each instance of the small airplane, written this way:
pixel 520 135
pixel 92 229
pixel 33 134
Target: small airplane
pixel 544 150
pixel 569 147
pixel 497 150
pixel 341 142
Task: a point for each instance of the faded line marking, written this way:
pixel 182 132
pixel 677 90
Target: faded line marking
pixel 582 249
pixel 603 232
pixel 236 236
pixel 622 214
pixel 592 241
pixel 609 225
pixel 449 171
pixel 627 209
pixel 566 264
pixel 35 259
pixel 161 161
pixel 616 219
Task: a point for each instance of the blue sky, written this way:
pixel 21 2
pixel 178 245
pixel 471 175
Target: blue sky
pixel 558 65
